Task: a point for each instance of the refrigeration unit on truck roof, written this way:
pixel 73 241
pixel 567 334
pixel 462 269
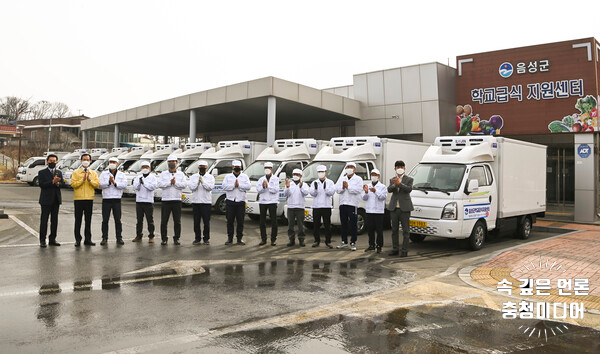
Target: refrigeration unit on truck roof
pixel 344 143
pixel 243 144
pixel 311 144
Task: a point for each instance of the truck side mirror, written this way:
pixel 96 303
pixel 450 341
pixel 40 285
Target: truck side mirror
pixel 473 186
pixel 215 172
pixel 282 176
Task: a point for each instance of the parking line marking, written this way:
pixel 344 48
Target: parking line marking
pixel 25 226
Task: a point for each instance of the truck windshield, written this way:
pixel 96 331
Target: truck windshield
pixel 125 165
pixel 96 164
pixel 65 163
pixel 193 167
pixel 334 169
pixel 257 169
pixel 444 177
pixel 28 161
pixel 75 165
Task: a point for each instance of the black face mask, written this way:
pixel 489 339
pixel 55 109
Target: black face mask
pixel 172 165
pixel 202 170
pixel 146 174
pixel 51 164
pixel 237 169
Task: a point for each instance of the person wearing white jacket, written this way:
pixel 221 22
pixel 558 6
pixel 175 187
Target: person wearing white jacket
pixel 235 185
pixel 374 194
pixel 322 191
pixel 201 184
pixel 112 183
pixel 172 183
pixel 144 185
pixel 295 192
pixel 268 198
pixel 349 188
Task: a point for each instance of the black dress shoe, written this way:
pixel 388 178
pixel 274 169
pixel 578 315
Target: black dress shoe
pixel 273 243
pixel 301 243
pixel 89 243
pixel 316 244
pixel 55 244
pixel 393 253
pixel 43 244
pixel 262 243
pixel 404 254
pixel 228 242
pixel 176 242
pixel 241 243
pixel 328 244
pixel 378 249
pixel 370 248
pixel 77 243
pixel 164 242
pixel 120 241
pixel 103 242
pixel 291 244
pixel 196 242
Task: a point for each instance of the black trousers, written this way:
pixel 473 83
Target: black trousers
pixel 296 216
pixel 375 223
pixel 235 211
pixel 113 205
pixel 167 208
pixel 399 217
pixel 348 219
pixel 141 210
pixel 202 213
pixel 325 214
pixel 272 209
pixel 83 207
pixel 52 212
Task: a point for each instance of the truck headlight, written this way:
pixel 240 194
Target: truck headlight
pixel 449 211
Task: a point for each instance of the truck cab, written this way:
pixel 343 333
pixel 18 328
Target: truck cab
pixel 28 171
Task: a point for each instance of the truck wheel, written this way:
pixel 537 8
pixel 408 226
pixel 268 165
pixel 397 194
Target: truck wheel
pixel 361 222
pixel 36 182
pixel 477 238
pixel 524 229
pixel 254 217
pixel 221 208
pixel 416 238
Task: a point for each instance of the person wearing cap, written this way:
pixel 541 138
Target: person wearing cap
pixel 112 183
pixel 235 185
pixel 268 198
pixel 172 183
pixel 322 190
pixel 84 182
pixel 374 194
pixel 400 206
pixel 201 184
pixel 349 188
pixel 144 184
pixel 295 192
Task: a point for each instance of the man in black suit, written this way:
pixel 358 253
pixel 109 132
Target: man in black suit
pixel 400 207
pixel 50 200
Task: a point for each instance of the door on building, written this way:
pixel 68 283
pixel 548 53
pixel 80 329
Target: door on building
pixel 560 181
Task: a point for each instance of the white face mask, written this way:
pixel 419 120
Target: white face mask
pixel 321 174
pixel 400 171
pixel 349 171
pixel 267 171
pixel 145 171
pixel 296 178
pixel 374 178
pixel 85 163
pixel 112 166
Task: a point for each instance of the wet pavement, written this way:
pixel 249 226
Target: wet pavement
pixel 150 298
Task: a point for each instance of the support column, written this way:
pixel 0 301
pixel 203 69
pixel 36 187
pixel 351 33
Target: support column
pixel 84 139
pixel 192 126
pixel 271 108
pixel 116 137
pixel 165 139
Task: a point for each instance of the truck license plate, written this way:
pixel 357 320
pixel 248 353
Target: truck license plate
pixel 305 212
pixel 418 223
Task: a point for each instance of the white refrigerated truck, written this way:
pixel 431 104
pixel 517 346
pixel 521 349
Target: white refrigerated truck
pixel 286 155
pixel 219 164
pixel 367 153
pixel 465 187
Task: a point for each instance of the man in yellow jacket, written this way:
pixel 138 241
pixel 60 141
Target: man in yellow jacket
pixel 84 182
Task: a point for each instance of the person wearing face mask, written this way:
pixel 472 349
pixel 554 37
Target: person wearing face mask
pixel 235 185
pixel 322 191
pixel 50 200
pixel 268 198
pixel 172 183
pixel 84 182
pixel 144 185
pixel 201 184
pixel 349 188
pixel 400 207
pixel 112 183
pixel 374 194
pixel 295 192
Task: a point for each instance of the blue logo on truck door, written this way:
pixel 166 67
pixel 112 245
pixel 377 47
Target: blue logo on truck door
pixel 477 211
pixel 584 151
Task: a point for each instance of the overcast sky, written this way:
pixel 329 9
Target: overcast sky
pixel 104 56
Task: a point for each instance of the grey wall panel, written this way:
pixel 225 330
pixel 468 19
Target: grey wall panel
pixel 198 99
pixel 216 96
pixel 430 111
pixel 392 80
pixel 131 114
pixel 237 92
pixel 412 118
pixel 351 92
pixel 167 106
pixel 394 126
pixel 375 90
pixel 285 89
pixel 142 111
pixel 309 96
pixel 377 112
pixel 446 83
pixel 429 81
pixel 260 88
pixel 182 103
pixel 393 110
pixel 447 118
pixel 411 85
pixel 154 109
pixel 360 88
pixel 370 127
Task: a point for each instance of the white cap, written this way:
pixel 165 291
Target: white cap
pixel 145 163
pixel 375 171
pixel 351 164
pixel 236 163
pixel 268 164
pixel 172 158
pixel 321 168
pixel 297 170
pixel 202 163
pixel 113 159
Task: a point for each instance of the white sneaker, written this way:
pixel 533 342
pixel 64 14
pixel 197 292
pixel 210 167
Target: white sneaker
pixel 353 247
pixel 342 245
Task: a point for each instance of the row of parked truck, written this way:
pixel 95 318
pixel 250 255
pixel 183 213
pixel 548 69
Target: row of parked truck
pixel 464 187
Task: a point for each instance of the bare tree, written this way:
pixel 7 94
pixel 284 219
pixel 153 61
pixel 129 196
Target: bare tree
pixel 14 107
pixel 40 110
pixel 60 110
